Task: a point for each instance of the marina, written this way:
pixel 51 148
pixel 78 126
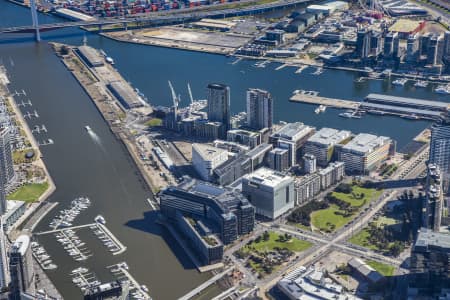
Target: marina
pixel 137 291
pixel 67 216
pixel 42 257
pixel 73 245
pixel 84 279
pixel 107 238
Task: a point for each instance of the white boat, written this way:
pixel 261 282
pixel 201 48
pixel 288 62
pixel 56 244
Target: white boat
pixel 350 115
pixel 443 89
pixel 322 108
pixel 109 60
pixel 421 84
pixel 87 128
pixel 100 219
pixel 400 82
pixel 144 288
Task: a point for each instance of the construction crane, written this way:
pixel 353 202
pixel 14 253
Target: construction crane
pixel 190 93
pixel 175 99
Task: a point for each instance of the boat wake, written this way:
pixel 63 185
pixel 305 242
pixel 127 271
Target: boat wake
pixel 96 138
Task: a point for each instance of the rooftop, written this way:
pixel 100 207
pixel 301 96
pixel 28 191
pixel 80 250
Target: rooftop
pixel 311 284
pixel 208 152
pixel 428 238
pixel 267 177
pixel 408 101
pixel 402 109
pixel 292 131
pixel 366 143
pixel 366 270
pixel 329 136
pixel 21 244
pixel 126 92
pixel 262 148
pixel 243 132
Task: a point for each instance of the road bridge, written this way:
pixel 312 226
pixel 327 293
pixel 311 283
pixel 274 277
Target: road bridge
pixel 160 19
pixel 206 284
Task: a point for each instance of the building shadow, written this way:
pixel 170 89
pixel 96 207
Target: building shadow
pixel 149 224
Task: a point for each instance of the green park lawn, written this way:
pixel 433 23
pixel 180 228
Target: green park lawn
pixel 29 192
pixel 369 195
pixel 154 122
pixel 361 239
pixel 330 219
pixel 383 269
pixel 293 244
pixel 323 218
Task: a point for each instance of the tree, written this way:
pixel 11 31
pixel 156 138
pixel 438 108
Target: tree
pixel 266 236
pixel 65 50
pixel 344 188
pixel 396 249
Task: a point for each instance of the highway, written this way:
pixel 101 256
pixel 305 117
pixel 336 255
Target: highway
pixel 164 18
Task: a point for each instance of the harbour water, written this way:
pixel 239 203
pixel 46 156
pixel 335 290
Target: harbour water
pixel 101 169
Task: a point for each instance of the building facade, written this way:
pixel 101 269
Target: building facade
pixel 430 262
pixel 306 187
pixel 309 163
pixel 206 158
pixel 270 192
pixel 259 109
pixel 292 137
pixel 229 211
pixel 365 153
pixel 278 159
pixel 321 144
pixel 219 104
pixel 332 174
pixel 440 146
pixel 21 268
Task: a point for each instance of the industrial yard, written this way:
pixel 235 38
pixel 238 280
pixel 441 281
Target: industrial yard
pixel 206 35
pixel 190 39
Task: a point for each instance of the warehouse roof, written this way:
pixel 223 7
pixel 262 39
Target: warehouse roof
pixel 407 101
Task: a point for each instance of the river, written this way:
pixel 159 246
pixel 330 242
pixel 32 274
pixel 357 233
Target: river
pixel 101 169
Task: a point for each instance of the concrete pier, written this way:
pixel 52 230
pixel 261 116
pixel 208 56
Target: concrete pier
pixel 330 102
pixel 113 238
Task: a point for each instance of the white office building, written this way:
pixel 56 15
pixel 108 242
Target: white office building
pixel 321 144
pixel 270 192
pixel 292 136
pixel 309 163
pixel 206 158
pixel 365 153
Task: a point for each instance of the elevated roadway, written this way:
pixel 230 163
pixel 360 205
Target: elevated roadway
pixel 163 18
